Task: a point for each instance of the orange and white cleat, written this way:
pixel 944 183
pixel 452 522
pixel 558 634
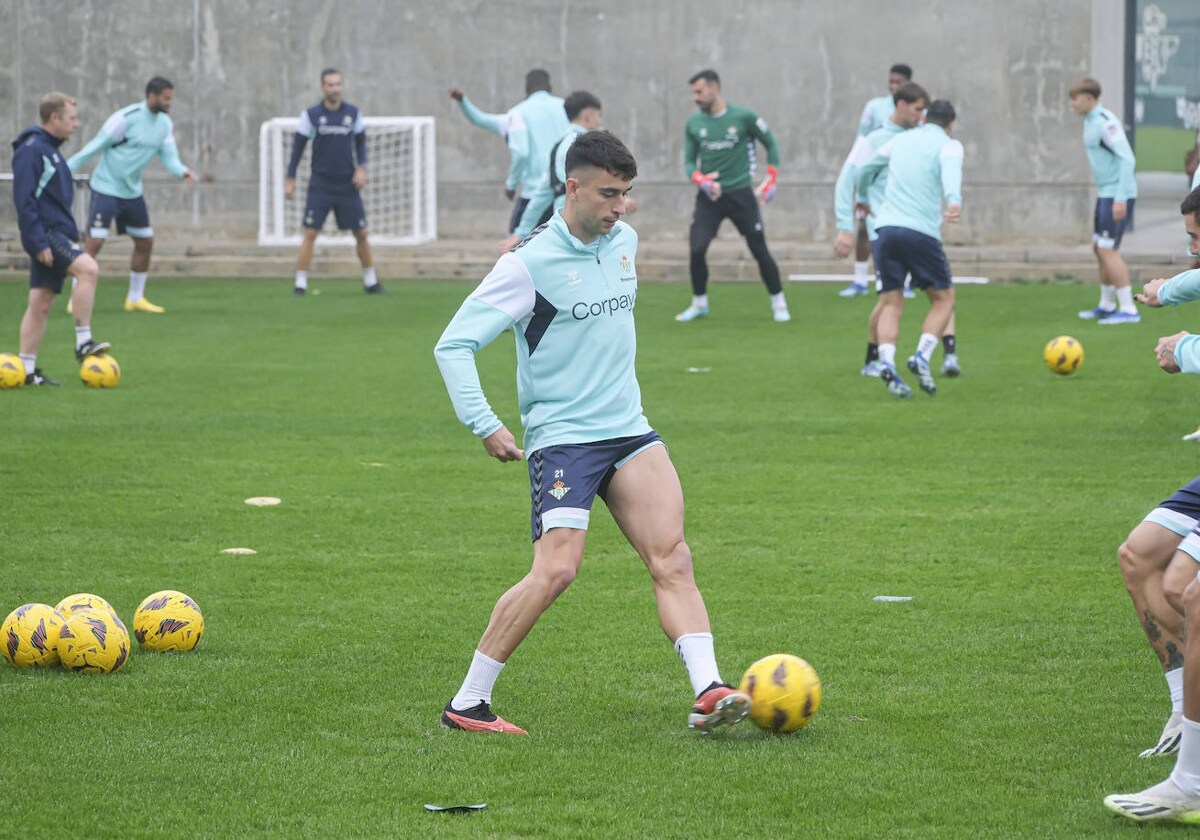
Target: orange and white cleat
pixel 719 705
pixel 478 718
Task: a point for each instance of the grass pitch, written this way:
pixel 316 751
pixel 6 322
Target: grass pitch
pixel 1005 700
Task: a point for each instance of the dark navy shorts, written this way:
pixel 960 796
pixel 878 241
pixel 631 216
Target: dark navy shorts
pixel 65 251
pixel 346 204
pixel 902 251
pixel 1106 232
pixel 131 216
pixel 565 480
pixel 1181 512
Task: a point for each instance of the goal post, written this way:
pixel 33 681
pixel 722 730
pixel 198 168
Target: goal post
pixel 400 196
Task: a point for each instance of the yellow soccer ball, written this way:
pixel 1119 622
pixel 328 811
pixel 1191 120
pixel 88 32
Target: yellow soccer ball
pixel 168 620
pixel 1063 355
pixel 12 371
pixel 785 692
pixel 100 371
pixel 82 601
pixel 29 636
pixel 93 642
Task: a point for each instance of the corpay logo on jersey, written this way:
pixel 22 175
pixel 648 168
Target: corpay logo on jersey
pixel 608 306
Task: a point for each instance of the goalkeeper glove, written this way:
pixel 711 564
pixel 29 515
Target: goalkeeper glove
pixel 766 190
pixel 706 183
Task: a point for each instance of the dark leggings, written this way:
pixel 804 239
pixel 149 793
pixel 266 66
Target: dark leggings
pixel 740 206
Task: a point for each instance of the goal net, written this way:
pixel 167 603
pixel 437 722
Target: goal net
pixel 400 196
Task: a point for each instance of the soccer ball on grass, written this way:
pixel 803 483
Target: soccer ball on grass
pixel 785 692
pixel 1063 355
pixel 168 620
pixel 29 636
pixel 93 642
pixel 100 371
pixel 82 601
pixel 12 371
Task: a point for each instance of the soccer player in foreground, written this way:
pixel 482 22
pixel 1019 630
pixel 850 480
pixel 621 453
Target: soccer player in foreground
pixel 924 170
pixel 1112 163
pixel 718 156
pixel 568 293
pixel 1177 798
pixel 339 172
pixel 876 114
pixel 42 193
pixel 126 143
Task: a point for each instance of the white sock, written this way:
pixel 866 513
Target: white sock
pixel 861 274
pixel 369 279
pixel 301 279
pixel 1186 774
pixel 696 651
pixel 82 336
pixel 778 302
pixel 887 354
pixel 700 301
pixel 30 363
pixel 74 283
pixel 1125 299
pixel 1175 686
pixel 927 345
pixel 478 685
pixel 137 285
pixel 1108 297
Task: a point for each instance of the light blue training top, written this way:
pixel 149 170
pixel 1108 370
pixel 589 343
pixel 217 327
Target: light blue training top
pixel 876 114
pixel 128 139
pixel 924 168
pixel 531 128
pixel 845 191
pixel 1110 155
pixel 543 195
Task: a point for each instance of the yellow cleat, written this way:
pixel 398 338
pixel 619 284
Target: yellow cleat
pixel 142 305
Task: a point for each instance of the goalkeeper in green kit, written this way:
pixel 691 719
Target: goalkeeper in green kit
pixel 719 157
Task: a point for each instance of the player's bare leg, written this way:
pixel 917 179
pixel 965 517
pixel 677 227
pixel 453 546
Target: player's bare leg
pixel 872 366
pixel 362 245
pixel 92 245
pixel 83 301
pixel 862 256
pixel 139 265
pixel 33 330
pixel 303 261
pixel 887 325
pixel 646 500
pixel 941 310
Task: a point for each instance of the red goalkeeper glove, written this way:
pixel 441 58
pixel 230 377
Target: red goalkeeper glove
pixel 708 183
pixel 766 190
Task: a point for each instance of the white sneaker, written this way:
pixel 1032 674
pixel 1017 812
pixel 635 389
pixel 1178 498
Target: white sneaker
pixel 692 313
pixel 1168 741
pixel 1193 435
pixel 1164 802
pixel 781 316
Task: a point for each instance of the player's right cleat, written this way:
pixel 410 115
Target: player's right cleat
pixel 950 365
pixel 1119 317
pixel 692 313
pixel 479 718
pixel 924 375
pixel 1096 314
pixel 1168 741
pixel 142 305
pixel 1193 435
pixel 374 289
pixel 1164 801
pixel 718 705
pixel 896 386
pixel 91 348
pixel 853 290
pixel 39 378
pixel 298 292
pixel 873 368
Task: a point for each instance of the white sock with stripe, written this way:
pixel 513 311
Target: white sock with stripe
pixel 700 660
pixel 1175 686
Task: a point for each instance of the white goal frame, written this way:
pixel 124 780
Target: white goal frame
pixel 400 202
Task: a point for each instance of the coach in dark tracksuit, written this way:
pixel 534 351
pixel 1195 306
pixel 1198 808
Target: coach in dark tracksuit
pixel 42 193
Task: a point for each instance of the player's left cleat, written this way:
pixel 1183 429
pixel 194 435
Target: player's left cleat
pixel 142 305
pixel 1119 317
pixel 781 316
pixel 853 290
pixel 718 705
pixel 298 291
pixel 1168 741
pixel 873 368
pixel 91 348
pixel 1096 314
pixel 896 386
pixel 479 718
pixel 1164 802
pixel 374 289
pixel 950 365
pixel 692 313
pixel 924 375
pixel 1193 435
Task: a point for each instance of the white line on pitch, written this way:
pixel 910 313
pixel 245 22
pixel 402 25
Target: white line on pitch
pixel 846 278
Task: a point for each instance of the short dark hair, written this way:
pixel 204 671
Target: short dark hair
pixel 602 151
pixel 940 112
pixel 577 102
pixel 1086 85
pixel 329 71
pixel 901 70
pixel 1191 204
pixel 910 92
pixel 709 76
pixel 537 79
pixel 158 84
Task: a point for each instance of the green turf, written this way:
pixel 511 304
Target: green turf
pixel 1162 149
pixel 1005 700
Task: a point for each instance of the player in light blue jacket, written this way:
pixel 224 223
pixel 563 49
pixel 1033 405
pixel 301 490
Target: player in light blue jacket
pixel 568 294
pixel 1112 162
pixel 531 128
pixel 126 143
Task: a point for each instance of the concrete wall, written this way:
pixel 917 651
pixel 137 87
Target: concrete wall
pixel 806 66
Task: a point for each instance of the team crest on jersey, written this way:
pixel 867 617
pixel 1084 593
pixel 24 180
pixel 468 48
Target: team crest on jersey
pixel 346 120
pixel 558 490
pixel 626 265
pixel 322 120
